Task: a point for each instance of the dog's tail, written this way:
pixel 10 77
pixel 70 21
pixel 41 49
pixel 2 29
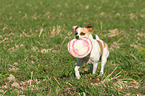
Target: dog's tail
pixel 97 38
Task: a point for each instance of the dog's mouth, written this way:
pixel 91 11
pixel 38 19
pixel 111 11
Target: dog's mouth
pixel 78 37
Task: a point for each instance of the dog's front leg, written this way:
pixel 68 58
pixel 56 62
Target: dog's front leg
pixel 79 63
pixel 95 64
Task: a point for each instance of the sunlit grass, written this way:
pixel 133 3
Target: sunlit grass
pixel 33 47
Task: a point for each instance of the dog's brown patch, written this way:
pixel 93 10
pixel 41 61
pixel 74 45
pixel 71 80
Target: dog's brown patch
pixel 105 46
pixel 101 47
pixel 87 33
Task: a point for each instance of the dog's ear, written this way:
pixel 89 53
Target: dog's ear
pixel 89 27
pixel 75 27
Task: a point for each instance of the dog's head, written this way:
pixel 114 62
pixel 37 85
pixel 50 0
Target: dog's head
pixel 82 32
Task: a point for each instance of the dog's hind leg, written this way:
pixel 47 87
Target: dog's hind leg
pixel 77 73
pixel 104 58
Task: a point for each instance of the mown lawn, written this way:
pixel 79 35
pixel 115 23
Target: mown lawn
pixel 34 60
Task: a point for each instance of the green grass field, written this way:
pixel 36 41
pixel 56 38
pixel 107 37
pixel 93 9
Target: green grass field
pixel 34 60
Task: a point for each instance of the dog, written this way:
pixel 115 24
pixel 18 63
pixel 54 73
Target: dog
pixel 100 48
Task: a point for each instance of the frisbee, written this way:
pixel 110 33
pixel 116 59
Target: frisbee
pixel 80 48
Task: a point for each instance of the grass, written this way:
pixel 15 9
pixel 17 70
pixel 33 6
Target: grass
pixel 33 47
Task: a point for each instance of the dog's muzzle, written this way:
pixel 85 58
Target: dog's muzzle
pixel 77 37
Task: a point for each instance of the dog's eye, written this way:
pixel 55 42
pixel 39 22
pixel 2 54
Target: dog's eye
pixel 76 33
pixel 82 33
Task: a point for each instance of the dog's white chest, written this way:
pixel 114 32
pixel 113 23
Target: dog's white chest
pixel 94 55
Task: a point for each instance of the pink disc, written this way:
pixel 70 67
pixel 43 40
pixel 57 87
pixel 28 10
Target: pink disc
pixel 80 48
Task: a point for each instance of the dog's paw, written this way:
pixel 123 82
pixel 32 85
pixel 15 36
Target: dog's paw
pixel 78 76
pixel 100 74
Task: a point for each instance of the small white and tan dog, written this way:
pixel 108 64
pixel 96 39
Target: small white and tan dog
pixel 100 48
